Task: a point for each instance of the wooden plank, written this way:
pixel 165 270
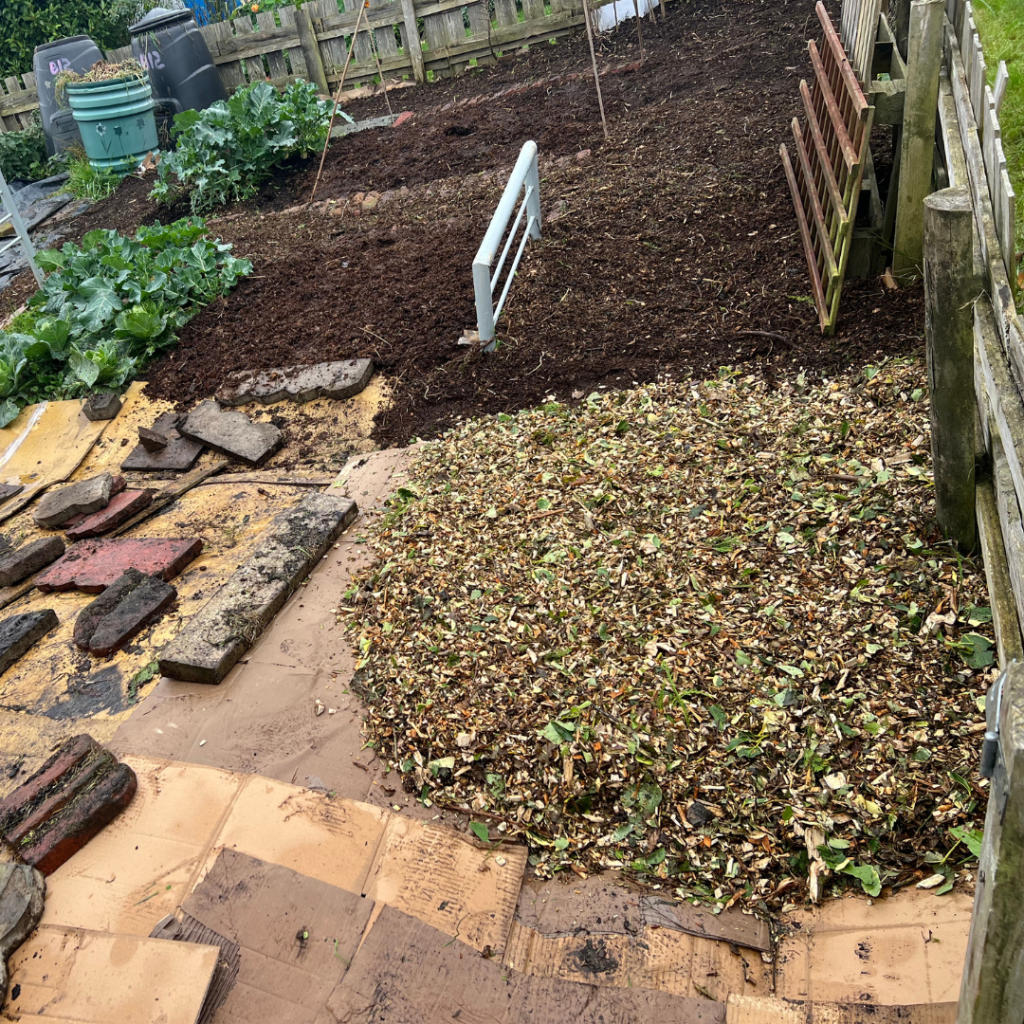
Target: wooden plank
pixel 384 38
pixel 275 61
pixel 552 27
pixel 993 984
pixel 949 134
pixel 229 68
pixel 805 235
pixel 248 48
pixel 842 61
pixel 1011 533
pixel 361 49
pixel 171 494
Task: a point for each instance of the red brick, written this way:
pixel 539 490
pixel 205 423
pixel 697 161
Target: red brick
pixel 96 763
pixel 403 117
pixel 123 507
pixel 92 565
pixel 65 833
pixel 36 788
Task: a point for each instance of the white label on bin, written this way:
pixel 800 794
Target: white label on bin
pixel 59 65
pixel 150 60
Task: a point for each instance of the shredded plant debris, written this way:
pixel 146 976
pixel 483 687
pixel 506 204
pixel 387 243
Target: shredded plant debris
pixel 705 632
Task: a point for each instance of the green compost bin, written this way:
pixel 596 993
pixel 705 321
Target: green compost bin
pixel 116 121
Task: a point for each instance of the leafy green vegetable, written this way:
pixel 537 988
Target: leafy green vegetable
pixel 225 152
pixel 108 307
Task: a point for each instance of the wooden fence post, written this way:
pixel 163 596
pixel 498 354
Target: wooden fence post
pixel 412 41
pixel 950 288
pixel 920 109
pixel 993 983
pixel 311 51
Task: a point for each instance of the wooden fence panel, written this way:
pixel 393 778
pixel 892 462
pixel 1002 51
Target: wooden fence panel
pixel 19 102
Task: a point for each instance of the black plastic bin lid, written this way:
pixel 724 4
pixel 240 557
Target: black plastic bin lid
pixel 159 17
pixel 60 42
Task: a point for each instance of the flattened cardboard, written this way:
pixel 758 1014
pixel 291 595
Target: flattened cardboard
pixel 410 973
pixel 72 974
pixel 609 904
pixel 438 876
pixel 147 862
pixel 297 937
pixel 756 1010
pixel 905 950
pixel 332 840
pixel 655 957
pixel 43 446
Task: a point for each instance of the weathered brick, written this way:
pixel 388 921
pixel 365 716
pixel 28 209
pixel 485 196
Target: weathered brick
pixel 97 762
pixel 56 507
pixel 104 405
pixel 179 454
pixel 10 490
pixel 92 565
pixel 66 832
pixel 123 609
pixel 19 564
pixel 122 507
pixel 341 379
pixel 19 632
pixel 152 440
pixel 37 787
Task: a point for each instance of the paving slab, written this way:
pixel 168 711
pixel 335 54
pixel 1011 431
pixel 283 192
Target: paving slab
pixel 232 433
pixel 22 890
pixel 88 811
pixel 226 627
pixel 122 610
pixel 92 565
pixel 178 455
pixel 19 632
pixel 122 507
pixel 338 380
pixel 10 490
pixel 102 406
pixel 21 563
pixel 56 507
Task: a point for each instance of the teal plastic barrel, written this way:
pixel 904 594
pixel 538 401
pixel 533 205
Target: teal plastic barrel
pixel 116 121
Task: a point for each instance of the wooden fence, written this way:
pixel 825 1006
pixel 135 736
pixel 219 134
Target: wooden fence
pixel 972 158
pixel 312 43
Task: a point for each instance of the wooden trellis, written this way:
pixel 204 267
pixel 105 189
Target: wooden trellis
pixel 827 168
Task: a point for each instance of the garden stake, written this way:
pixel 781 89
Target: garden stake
pixel 337 98
pixel 593 60
pixel 639 31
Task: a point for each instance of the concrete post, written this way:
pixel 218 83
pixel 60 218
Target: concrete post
pixel 311 51
pixel 412 41
pixel 950 288
pixel 920 109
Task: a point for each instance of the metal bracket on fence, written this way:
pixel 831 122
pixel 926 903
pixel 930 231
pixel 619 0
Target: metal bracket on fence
pixel 993 711
pixel 525 177
pixel 20 233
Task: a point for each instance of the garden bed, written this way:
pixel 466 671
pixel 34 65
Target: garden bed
pixel 674 246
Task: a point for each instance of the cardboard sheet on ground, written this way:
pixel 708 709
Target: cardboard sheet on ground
pixel 406 971
pixel 76 975
pixel 147 862
pixel 43 446
pixel 261 718
pixel 296 937
pixel 904 950
pixel 756 1010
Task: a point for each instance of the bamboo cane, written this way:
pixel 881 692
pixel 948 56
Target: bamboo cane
pixel 337 96
pixel 593 60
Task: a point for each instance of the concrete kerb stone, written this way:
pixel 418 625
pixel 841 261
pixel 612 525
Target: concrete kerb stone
pixel 232 433
pixel 220 633
pixel 19 632
pixel 338 380
pixel 21 563
pixel 56 507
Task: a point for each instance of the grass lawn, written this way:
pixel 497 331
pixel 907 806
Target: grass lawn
pixel 1001 27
